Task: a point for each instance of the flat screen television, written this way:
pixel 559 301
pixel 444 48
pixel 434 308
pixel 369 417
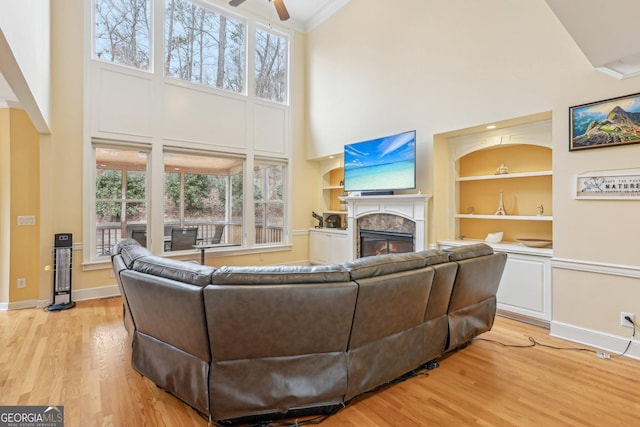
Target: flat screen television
pixel 381 165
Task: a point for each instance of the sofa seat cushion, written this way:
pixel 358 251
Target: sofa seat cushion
pixel 280 274
pixel 379 265
pixel 187 272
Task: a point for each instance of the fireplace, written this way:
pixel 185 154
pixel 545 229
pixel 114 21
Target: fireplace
pixel 402 213
pixel 375 242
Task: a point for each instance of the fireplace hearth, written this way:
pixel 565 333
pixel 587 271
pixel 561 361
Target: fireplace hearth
pixel 375 242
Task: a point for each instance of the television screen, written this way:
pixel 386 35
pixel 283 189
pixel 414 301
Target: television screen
pixel 382 164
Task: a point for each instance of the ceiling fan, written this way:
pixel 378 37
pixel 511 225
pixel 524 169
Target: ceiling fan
pixel 279 4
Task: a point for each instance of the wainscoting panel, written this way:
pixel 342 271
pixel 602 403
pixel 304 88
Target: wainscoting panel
pixel 270 126
pixel 205 117
pixel 589 279
pixel 124 103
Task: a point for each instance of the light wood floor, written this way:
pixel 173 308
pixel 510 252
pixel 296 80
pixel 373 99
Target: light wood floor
pixel 79 358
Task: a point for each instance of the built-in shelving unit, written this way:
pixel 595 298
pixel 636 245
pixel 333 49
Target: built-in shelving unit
pixel 332 189
pixel 507 171
pixel 330 245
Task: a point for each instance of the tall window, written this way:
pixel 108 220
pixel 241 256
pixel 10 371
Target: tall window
pixel 271 56
pixel 122 32
pixel 205 193
pixel 268 194
pixel 203 46
pixel 121 208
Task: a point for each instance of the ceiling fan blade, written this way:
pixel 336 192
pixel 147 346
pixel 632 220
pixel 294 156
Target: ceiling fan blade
pixel 236 2
pixel 281 9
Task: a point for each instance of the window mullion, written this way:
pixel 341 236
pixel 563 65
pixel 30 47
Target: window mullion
pixel 181 208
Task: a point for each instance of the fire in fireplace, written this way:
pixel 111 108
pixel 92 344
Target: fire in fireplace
pixel 374 242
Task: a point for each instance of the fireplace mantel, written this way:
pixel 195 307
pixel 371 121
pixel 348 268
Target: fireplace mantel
pixel 411 206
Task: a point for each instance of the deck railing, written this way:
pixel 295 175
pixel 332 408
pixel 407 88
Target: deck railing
pixel 108 235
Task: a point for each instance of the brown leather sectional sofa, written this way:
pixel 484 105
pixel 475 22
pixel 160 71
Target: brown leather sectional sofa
pixel 238 342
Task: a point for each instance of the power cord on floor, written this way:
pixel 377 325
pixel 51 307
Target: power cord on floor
pixel 600 354
pixel 289 422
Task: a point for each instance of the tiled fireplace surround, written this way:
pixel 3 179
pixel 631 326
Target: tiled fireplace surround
pixel 399 213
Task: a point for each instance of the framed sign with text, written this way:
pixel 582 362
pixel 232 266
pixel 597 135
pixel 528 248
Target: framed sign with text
pixel 612 185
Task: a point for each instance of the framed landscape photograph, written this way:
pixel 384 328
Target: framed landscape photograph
pixel 608 123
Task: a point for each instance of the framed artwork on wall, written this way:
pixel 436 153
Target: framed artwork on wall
pixel 608 123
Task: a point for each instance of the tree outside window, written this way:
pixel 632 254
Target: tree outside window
pixel 203 46
pixel 204 192
pixel 271 67
pixel 123 32
pixel 120 196
pixel 268 195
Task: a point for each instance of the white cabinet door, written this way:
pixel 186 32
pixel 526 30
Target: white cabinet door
pixel 338 248
pixel 318 247
pixel 525 288
pixel 328 247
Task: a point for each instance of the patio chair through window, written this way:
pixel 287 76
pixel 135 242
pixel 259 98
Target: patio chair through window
pixel 217 234
pixel 183 238
pixel 140 236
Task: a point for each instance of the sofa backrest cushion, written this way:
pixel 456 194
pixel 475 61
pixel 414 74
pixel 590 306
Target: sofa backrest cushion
pixel 390 304
pixel 131 251
pixel 477 279
pixel 434 256
pixel 380 265
pixel 443 280
pixel 470 251
pixel 169 311
pixel 182 271
pixel 279 274
pixel 271 321
pixel 128 241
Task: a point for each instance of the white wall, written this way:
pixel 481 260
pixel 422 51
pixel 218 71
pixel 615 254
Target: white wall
pixel 377 67
pixel 25 53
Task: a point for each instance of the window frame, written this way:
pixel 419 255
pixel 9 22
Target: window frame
pixel 285 199
pixel 289 39
pixel 91 253
pixel 152 42
pixel 228 221
pixel 155 142
pixel 213 8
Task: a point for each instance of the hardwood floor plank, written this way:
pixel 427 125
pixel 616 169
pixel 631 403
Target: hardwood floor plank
pixel 80 358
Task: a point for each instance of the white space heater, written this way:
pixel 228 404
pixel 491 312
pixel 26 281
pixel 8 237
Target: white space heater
pixel 62 257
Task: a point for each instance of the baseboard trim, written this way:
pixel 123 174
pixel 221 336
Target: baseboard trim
pixel 96 293
pixel 18 305
pixel 523 318
pixel 613 344
pixel 77 295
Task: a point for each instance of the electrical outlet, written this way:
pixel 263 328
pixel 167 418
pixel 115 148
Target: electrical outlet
pixel 625 322
pixel 22 283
